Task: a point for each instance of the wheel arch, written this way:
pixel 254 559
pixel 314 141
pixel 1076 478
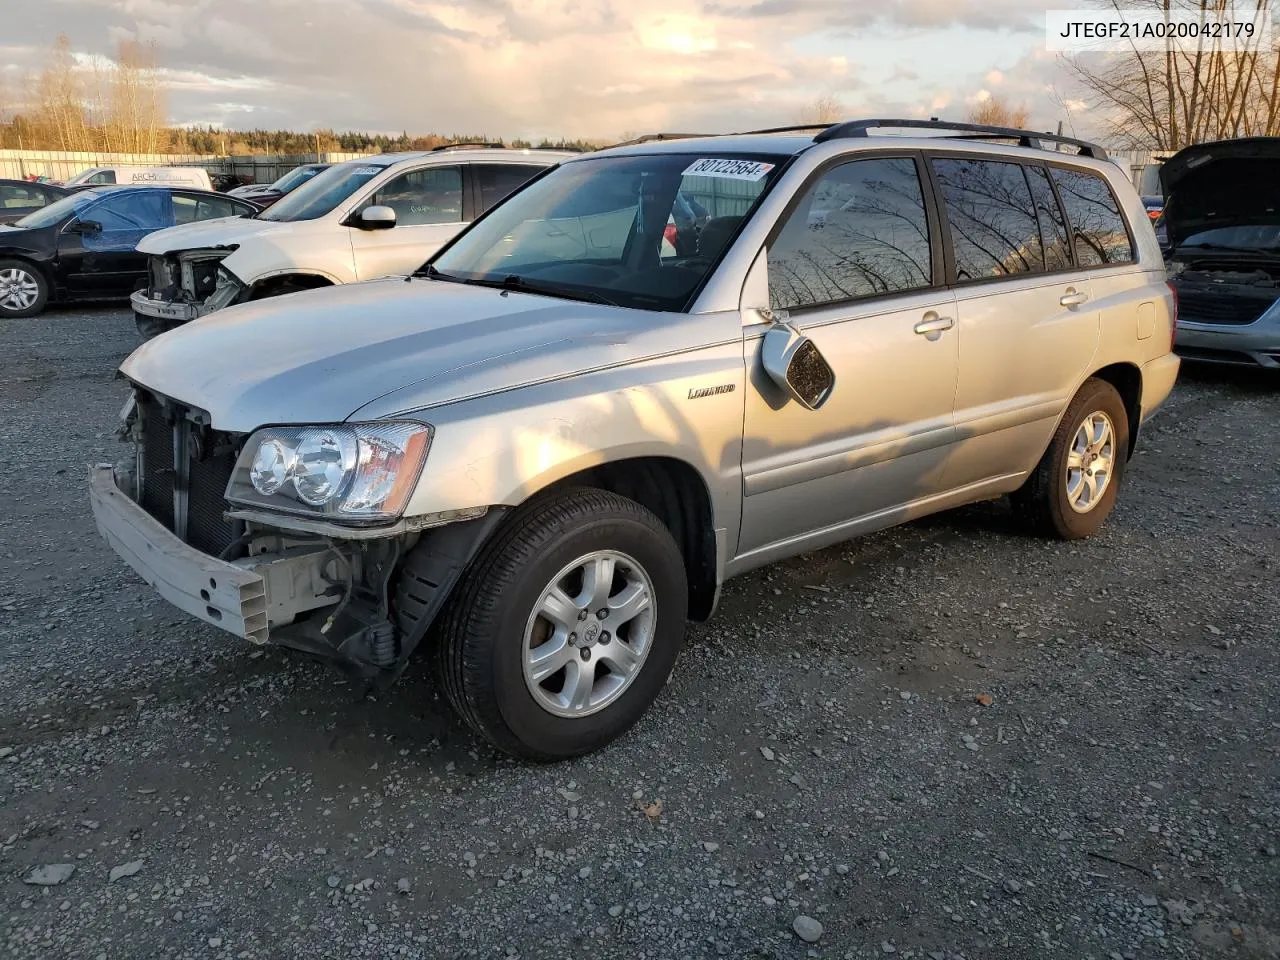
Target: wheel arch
pixel 675 492
pixel 1127 380
pixel 270 285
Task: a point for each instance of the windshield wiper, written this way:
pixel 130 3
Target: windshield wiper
pixel 431 272
pixel 516 282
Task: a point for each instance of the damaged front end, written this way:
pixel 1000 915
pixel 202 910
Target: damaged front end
pixel 323 591
pixel 183 286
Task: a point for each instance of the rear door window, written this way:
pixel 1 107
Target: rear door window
pixel 497 180
pixel 430 195
pixel 1097 226
pixel 992 218
pixel 20 197
pixel 1053 229
pixel 188 209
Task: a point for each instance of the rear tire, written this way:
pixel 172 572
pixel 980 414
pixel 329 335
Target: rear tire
pixel 23 289
pixel 549 687
pixel 1074 487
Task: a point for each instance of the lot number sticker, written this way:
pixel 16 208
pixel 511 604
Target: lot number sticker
pixel 728 169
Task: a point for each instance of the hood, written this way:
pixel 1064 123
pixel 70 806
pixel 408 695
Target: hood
pixel 382 348
pixel 1231 183
pixel 224 232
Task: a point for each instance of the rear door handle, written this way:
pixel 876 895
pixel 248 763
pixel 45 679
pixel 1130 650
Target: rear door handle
pixel 933 324
pixel 1072 298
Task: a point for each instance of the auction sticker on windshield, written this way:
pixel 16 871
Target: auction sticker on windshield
pixel 728 169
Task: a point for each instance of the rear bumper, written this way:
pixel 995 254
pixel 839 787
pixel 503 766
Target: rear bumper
pixel 217 592
pixel 148 307
pixel 1251 343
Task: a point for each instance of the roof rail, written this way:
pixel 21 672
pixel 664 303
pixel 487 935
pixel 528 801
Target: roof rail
pixel 794 128
pixel 972 131
pixel 650 137
pixel 468 145
pixel 550 146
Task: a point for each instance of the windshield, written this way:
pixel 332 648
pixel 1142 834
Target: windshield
pixel 58 210
pixel 295 178
pixel 323 192
pixel 1261 237
pixel 639 231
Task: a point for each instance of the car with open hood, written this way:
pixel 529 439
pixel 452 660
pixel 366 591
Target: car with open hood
pixel 358 220
pixel 545 450
pixel 83 246
pixel 1222 220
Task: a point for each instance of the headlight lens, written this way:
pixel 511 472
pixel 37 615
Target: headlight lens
pixel 323 463
pixel 354 472
pixel 272 463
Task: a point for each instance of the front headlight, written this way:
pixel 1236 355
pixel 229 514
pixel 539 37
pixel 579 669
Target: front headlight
pixel 356 472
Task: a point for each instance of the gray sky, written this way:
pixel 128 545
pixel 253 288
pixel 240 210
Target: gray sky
pixel 533 68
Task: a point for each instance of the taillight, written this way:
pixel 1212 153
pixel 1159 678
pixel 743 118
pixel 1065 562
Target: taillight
pixel 670 233
pixel 1173 326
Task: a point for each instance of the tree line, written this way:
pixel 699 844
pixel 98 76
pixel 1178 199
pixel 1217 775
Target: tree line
pixel 118 105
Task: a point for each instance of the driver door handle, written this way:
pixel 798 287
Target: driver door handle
pixel 932 323
pixel 1073 298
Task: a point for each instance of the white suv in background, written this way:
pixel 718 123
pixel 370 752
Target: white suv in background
pixel 368 218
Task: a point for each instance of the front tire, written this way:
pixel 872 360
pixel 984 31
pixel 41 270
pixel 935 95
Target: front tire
pixel 1074 487
pixel 23 289
pixel 566 627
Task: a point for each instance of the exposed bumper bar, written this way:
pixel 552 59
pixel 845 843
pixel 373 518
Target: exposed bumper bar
pixel 159 308
pixel 213 590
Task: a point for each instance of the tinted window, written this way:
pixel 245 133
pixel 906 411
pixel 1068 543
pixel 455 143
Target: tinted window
pixel 187 209
pixel 496 180
pixel 1097 226
pixel 991 216
pixel 102 177
pixel 860 230
pixel 433 195
pixel 1053 230
pixel 19 196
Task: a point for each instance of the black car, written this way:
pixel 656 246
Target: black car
pixel 265 194
pixel 81 247
pixel 21 197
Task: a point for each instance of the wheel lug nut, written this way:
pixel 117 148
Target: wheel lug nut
pixel 604 637
pixel 586 654
pixel 582 614
pixel 603 613
pixel 573 638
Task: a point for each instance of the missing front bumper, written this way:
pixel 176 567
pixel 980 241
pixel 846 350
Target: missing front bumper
pixel 217 592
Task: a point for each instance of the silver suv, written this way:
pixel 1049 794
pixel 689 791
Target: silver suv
pixel 546 450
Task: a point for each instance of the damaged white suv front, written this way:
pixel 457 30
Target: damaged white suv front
pixel 374 217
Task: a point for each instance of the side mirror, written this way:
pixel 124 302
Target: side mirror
pixel 794 363
pixel 86 226
pixel 376 217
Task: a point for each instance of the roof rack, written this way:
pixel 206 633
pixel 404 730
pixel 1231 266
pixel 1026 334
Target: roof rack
pixel 794 128
pixel 549 146
pixel 969 131
pixel 468 145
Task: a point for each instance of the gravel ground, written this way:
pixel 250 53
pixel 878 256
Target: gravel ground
pixel 948 740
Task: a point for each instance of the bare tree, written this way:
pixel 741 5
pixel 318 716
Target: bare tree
pixel 825 109
pixel 1165 100
pixel 996 111
pixel 59 99
pixel 135 117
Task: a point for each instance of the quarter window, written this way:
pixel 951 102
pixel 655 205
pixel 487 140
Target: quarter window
pixel 994 230
pixel 432 195
pixel 1098 229
pixel 496 180
pixel 859 231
